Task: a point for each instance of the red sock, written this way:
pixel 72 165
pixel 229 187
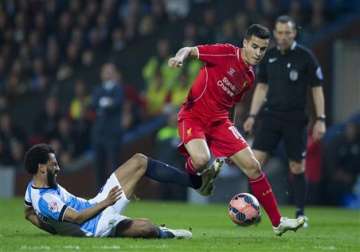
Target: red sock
pixel 261 188
pixel 189 167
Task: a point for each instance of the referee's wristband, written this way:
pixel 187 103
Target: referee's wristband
pixel 251 116
pixel 321 118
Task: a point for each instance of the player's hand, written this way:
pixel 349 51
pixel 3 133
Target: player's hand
pixel 113 196
pixel 175 62
pixel 319 130
pixel 249 124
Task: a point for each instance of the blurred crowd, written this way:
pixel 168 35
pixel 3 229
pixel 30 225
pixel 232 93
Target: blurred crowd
pixel 46 42
pixel 43 41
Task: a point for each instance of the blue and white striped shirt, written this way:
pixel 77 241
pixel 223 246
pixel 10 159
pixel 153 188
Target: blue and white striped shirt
pixel 50 205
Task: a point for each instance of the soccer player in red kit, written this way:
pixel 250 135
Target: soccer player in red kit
pixel 203 121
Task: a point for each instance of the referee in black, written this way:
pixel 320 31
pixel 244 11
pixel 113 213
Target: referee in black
pixel 279 101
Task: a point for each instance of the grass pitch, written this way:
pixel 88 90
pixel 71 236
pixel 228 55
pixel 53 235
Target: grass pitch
pixel 330 230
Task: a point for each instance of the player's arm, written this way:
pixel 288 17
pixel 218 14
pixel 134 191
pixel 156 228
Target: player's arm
pixel 319 103
pixel 80 217
pixel 316 78
pixel 182 55
pixel 31 216
pixel 256 103
pixel 258 98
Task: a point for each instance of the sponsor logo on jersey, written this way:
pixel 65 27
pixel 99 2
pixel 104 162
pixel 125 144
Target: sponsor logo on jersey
pixel 227 86
pixel 293 75
pixel 53 206
pixel 272 60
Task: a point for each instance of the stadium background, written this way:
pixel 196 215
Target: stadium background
pixel 51 53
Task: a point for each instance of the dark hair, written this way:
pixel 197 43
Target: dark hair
pixel 284 19
pixel 257 30
pixel 38 154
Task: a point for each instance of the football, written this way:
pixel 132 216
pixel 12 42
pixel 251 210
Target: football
pixel 244 209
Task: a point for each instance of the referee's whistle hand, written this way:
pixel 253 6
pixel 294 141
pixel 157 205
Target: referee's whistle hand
pixel 249 124
pixel 319 130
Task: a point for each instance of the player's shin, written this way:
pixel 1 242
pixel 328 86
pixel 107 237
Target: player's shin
pixel 262 190
pixel 165 173
pixel 191 169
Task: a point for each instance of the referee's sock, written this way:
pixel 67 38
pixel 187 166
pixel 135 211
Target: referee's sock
pixel 166 173
pixel 300 188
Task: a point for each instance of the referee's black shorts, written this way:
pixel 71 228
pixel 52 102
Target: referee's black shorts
pixel 270 130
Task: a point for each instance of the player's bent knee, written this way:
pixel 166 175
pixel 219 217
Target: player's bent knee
pixel 200 160
pixel 140 160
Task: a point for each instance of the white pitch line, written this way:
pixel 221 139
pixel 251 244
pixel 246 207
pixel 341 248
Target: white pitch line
pixel 72 247
pixel 42 247
pixel 105 247
pixel 162 246
pixel 327 248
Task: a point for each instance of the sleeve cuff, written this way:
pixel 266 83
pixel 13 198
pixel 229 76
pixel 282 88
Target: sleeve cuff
pixel 62 213
pixel 198 53
pixel 28 204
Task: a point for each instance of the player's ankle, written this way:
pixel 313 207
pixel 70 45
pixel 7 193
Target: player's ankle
pixel 165 234
pixel 276 222
pixel 299 212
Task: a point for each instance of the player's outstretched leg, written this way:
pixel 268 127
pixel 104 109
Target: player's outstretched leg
pixel 262 190
pixel 140 165
pixel 129 175
pixel 143 228
pixel 199 162
pixel 165 173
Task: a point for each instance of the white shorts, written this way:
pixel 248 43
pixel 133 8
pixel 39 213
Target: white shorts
pixel 110 216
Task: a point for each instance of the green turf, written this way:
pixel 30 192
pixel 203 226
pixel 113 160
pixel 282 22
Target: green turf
pixel 330 230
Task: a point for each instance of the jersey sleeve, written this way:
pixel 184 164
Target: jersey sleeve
pixel 27 198
pixel 51 206
pixel 216 53
pixel 314 72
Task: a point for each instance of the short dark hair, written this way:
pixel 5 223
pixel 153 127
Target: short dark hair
pixel 38 154
pixel 257 30
pixel 284 19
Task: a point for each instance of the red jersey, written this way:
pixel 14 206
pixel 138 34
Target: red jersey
pixel 221 82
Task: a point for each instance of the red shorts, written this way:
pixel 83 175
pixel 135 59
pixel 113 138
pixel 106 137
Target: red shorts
pixel 221 135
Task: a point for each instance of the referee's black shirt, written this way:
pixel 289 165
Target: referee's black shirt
pixel 288 76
